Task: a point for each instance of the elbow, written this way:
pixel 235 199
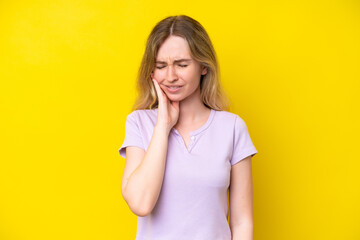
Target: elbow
pixel 139 210
pixel 137 207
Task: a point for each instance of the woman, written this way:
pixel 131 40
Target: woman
pixel 183 150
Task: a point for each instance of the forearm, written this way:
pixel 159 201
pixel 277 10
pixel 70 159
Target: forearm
pixel 242 232
pixel 144 184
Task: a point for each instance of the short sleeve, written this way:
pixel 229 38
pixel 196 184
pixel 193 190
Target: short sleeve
pixel 132 134
pixel 243 146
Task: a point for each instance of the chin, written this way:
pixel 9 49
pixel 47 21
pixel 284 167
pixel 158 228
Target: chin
pixel 175 98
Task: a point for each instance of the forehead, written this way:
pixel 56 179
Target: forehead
pixel 174 47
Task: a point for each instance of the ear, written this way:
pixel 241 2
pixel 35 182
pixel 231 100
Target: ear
pixel 204 71
pixel 152 74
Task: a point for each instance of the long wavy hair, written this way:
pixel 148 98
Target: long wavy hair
pixel 201 49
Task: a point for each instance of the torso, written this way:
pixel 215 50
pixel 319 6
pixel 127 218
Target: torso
pixel 199 176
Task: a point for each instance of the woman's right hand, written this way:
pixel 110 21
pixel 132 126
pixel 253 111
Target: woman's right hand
pixel 168 112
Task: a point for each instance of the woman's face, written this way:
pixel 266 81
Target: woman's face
pixel 175 67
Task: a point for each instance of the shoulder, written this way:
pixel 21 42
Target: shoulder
pixel 230 121
pixel 141 113
pixel 226 117
pixel 143 118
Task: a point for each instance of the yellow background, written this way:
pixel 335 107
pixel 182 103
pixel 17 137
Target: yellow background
pixel 67 71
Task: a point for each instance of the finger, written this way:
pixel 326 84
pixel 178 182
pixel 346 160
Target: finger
pixel 155 85
pixel 158 90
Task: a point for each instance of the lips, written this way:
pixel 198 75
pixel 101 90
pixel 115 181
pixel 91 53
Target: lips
pixel 173 88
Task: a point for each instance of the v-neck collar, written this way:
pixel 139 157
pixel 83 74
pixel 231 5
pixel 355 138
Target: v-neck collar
pixel 193 134
pixel 203 127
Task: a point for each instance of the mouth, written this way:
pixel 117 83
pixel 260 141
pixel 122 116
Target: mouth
pixel 173 88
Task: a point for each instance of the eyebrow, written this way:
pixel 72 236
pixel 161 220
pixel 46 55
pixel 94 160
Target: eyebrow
pixel 176 61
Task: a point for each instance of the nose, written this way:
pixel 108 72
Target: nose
pixel 171 73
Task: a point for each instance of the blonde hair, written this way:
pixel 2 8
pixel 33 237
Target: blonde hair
pixel 201 49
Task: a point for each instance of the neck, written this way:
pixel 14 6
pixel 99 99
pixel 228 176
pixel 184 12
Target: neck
pixel 192 109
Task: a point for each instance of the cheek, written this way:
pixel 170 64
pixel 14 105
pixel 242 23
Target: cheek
pixel 159 75
pixel 182 73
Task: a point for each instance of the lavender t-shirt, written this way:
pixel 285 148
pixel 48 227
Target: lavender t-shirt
pixel 193 201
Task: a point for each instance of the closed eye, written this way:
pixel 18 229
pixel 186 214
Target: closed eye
pixel 183 66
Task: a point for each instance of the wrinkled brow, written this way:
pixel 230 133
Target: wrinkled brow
pixel 176 61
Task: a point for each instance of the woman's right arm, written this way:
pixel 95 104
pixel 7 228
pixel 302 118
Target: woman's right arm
pixel 141 187
pixel 144 172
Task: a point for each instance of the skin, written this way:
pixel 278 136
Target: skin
pixel 241 200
